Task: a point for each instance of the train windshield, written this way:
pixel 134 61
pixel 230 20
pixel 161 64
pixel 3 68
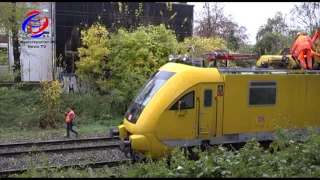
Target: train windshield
pixel 148 90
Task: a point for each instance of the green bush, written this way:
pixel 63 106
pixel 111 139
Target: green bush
pixel 19 108
pixel 287 157
pixel 50 98
pixel 130 57
pixel 90 107
pixel 24 109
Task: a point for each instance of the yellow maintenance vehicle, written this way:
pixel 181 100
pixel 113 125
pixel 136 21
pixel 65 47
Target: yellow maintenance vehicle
pixel 185 106
pixel 284 60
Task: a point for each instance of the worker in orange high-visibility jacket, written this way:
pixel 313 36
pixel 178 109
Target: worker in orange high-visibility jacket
pixel 316 36
pixel 303 44
pixel 70 116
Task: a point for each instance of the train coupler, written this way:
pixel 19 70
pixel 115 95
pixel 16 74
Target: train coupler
pixel 113 133
pixel 137 157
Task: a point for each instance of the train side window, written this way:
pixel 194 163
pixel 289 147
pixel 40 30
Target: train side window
pixel 188 99
pixel 262 93
pixel 207 98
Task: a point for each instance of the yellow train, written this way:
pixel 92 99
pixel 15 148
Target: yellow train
pixel 182 105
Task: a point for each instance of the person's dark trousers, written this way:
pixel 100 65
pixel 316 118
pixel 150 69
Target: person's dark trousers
pixel 69 128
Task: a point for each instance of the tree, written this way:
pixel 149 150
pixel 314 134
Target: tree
pixel 132 17
pixel 128 57
pixel 277 24
pixel 307 15
pixel 211 20
pixel 274 36
pixel 12 15
pixel 137 55
pixel 214 23
pixel 93 54
pixel 202 44
pixel 271 43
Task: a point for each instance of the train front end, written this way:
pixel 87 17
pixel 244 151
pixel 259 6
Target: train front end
pixel 137 133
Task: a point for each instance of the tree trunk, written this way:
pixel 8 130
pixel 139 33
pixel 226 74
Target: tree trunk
pixel 16 56
pixel 16 45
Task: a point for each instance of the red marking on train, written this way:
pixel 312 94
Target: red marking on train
pixel 261 119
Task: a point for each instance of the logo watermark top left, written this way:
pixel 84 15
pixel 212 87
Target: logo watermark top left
pixel 33 25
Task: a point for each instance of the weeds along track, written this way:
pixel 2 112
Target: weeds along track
pixel 14 149
pixel 6 173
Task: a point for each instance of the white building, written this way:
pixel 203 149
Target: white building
pixel 37 57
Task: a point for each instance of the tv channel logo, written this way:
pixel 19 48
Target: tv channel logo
pixel 33 25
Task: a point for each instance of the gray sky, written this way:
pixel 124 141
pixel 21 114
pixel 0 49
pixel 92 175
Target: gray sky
pixel 252 15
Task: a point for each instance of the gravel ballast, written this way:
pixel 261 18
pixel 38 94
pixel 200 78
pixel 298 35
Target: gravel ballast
pixel 57 146
pixel 64 158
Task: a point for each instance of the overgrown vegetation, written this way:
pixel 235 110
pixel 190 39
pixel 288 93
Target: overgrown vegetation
pixel 119 63
pixel 274 35
pixel 202 44
pixel 286 157
pixel 93 54
pixel 24 110
pixel 135 56
pixel 51 92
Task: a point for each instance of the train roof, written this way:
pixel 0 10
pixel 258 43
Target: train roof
pixel 178 67
pixel 227 70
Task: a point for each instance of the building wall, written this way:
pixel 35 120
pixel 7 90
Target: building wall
pixel 36 54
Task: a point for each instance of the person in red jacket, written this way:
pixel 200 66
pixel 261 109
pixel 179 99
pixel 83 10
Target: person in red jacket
pixel 303 44
pixel 316 36
pixel 70 115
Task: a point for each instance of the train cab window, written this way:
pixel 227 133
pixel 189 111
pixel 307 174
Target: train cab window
pixel 207 101
pixel 188 99
pixel 262 93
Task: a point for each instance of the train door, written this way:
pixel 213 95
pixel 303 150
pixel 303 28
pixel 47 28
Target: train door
pixel 177 122
pixel 209 99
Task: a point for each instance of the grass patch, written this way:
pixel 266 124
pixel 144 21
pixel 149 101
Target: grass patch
pixel 93 129
pixel 23 110
pixel 76 172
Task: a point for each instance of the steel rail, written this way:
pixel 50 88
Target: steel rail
pixel 59 150
pixel 5 145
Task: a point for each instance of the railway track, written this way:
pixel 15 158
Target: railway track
pixel 9 146
pixel 52 142
pixel 6 173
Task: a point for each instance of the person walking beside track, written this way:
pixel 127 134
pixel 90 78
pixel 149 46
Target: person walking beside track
pixel 70 116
